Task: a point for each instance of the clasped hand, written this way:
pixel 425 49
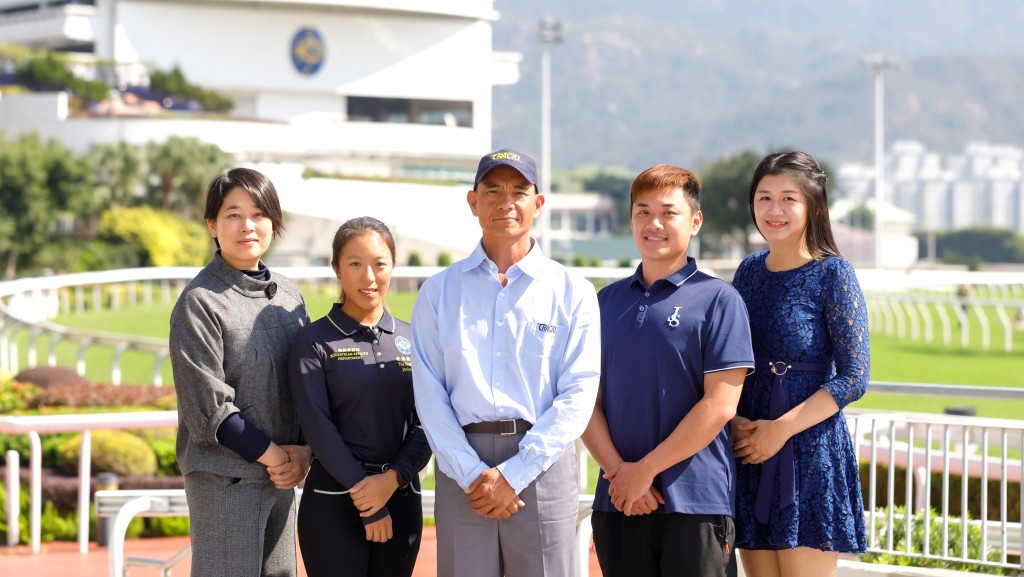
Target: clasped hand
pixel 289 474
pixel 632 491
pixel 491 496
pixel 756 441
pixel 373 492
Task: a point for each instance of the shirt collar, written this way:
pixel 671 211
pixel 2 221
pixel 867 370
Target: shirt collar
pixel 677 278
pixel 532 264
pixel 348 326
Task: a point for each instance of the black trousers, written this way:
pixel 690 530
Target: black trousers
pixel 663 545
pixel 333 539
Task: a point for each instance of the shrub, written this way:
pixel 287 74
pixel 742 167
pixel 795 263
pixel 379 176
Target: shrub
pixel 112 451
pixel 91 395
pixel 45 377
pixel 15 395
pixel 161 238
pixel 414 259
pixel 444 259
pixel 899 535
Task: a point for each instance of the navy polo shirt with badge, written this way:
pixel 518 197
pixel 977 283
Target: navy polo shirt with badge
pixel 657 343
pixel 352 387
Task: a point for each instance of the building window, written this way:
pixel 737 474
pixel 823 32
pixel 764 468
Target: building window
pixel 409 111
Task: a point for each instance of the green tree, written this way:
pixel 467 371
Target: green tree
pixel 181 169
pixel 973 246
pixel 725 187
pixel 610 182
pixel 118 168
pixel 36 184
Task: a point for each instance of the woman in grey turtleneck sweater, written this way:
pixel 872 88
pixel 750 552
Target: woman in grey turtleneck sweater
pixel 239 445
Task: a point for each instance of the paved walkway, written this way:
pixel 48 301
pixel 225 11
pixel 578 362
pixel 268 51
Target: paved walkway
pixel 62 559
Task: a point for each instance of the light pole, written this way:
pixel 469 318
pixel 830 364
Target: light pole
pixel 878 64
pixel 550 33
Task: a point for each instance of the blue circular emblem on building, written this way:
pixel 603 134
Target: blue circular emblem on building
pixel 307 51
pixel 403 345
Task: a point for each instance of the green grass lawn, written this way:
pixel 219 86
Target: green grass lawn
pixel 892 358
pixel 905 360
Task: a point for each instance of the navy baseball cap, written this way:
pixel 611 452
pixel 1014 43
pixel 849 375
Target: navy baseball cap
pixel 507 157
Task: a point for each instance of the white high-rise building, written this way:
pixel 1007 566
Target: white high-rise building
pixel 982 186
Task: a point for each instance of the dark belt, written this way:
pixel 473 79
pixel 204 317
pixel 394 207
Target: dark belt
pixel 375 468
pixel 783 461
pixel 503 427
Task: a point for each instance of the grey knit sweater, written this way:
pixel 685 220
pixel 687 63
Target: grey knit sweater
pixel 229 352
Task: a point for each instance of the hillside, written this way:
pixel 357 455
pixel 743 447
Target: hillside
pixel 643 82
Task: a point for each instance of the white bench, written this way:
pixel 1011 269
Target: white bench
pixel 125 505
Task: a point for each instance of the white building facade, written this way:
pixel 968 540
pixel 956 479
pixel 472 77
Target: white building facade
pixel 384 88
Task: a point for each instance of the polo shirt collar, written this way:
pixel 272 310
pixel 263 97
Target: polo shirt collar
pixel 677 278
pixel 348 326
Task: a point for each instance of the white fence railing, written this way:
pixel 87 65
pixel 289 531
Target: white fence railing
pixel 924 446
pixel 929 318
pixel 943 448
pixel 26 304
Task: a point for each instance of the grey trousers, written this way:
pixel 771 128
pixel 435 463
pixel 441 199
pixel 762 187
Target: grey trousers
pixel 537 541
pixel 243 527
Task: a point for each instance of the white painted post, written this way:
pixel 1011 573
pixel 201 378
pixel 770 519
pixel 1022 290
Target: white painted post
pixel 983 319
pixel 84 476
pixel 947 329
pixel 13 488
pixel 35 515
pixel 926 316
pixel 1004 320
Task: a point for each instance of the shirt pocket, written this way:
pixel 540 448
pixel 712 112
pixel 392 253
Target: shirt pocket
pixel 540 339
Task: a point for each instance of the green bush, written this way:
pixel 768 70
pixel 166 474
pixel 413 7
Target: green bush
pixel 161 238
pixel 15 395
pixel 166 457
pixel 414 259
pixel 955 549
pixel 974 505
pixel 167 527
pixel 444 259
pixel 112 451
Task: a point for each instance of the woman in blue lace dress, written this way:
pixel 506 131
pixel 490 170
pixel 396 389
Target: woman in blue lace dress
pixel 798 497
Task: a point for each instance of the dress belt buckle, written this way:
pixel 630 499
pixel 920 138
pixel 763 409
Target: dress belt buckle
pixel 507 427
pixel 776 370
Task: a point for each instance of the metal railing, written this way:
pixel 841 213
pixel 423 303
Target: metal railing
pixel 26 304
pixel 920 450
pixel 923 318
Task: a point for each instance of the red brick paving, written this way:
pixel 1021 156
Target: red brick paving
pixel 62 559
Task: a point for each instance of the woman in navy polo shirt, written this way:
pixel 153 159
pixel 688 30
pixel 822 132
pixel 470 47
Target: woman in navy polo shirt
pixel 798 497
pixel 351 378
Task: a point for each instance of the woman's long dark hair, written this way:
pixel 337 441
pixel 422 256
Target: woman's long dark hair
pixel 810 178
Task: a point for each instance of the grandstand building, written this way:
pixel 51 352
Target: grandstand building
pixel 384 88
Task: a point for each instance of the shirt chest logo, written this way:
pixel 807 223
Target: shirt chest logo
pixel 673 319
pixel 348 354
pixel 403 345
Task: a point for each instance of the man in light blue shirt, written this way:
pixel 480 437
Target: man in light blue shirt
pixel 505 372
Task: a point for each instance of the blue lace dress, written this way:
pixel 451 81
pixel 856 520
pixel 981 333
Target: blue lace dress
pixel 811 314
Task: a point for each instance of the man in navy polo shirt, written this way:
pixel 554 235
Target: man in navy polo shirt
pixel 675 350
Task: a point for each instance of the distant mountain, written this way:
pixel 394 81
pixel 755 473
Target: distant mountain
pixel 640 82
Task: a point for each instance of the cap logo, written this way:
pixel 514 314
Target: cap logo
pixel 506 156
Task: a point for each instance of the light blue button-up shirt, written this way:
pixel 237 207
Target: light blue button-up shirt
pixel 486 352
